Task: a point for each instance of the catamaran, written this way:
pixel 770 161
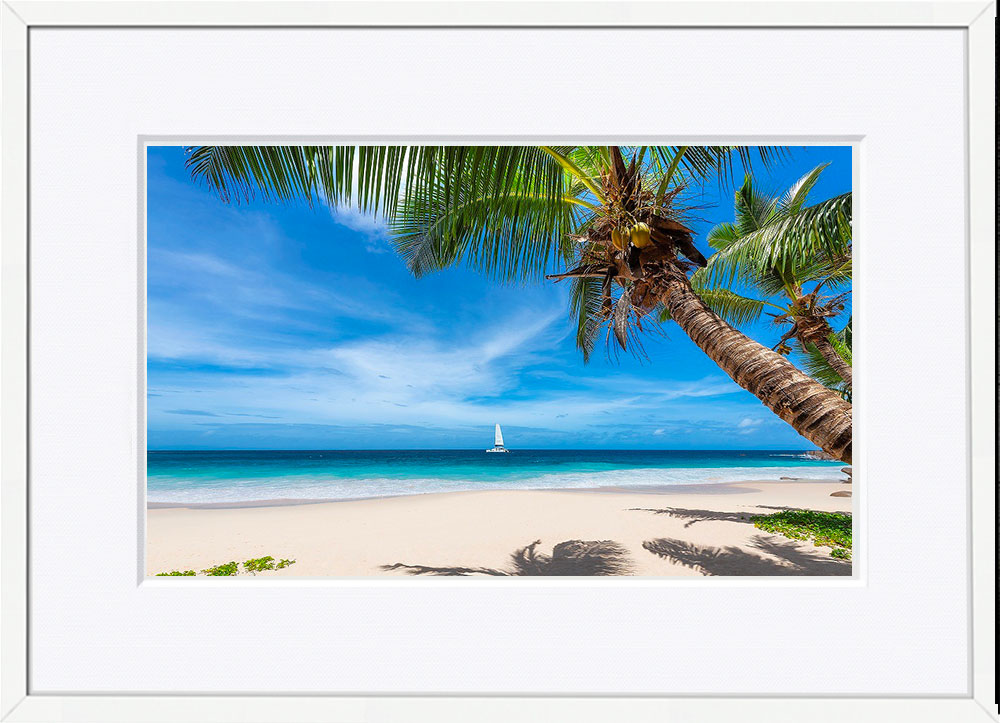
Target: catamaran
pixel 498 442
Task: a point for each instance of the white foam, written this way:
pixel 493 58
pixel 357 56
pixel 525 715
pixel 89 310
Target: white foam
pixel 311 488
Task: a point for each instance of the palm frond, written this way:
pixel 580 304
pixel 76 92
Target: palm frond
pixel 509 233
pixel 597 304
pixel 819 369
pixel 276 173
pixel 754 209
pixel 816 365
pixel 722 235
pixel 735 309
pixel 822 229
pixel 372 177
pixel 701 162
pixel 795 197
pixel 585 298
pixel 831 273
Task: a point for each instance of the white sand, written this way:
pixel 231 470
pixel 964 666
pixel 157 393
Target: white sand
pixel 702 533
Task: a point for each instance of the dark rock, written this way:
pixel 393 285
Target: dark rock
pixel 841 493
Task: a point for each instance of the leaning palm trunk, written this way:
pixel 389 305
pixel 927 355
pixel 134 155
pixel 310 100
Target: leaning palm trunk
pixel 814 411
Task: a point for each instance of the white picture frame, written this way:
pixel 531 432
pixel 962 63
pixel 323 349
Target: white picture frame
pixel 19 17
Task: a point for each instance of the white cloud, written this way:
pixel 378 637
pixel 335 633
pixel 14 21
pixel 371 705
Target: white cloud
pixel 748 425
pixel 213 308
pixel 367 224
pixel 411 372
pixel 417 377
pixel 432 381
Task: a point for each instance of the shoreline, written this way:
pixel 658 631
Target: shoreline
pixel 724 487
pixel 664 531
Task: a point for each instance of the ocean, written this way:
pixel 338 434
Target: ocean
pixel 205 477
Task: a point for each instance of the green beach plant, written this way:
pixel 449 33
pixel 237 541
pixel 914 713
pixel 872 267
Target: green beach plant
pixel 259 564
pixel 830 529
pixel 224 570
pixel 511 211
pixel 231 568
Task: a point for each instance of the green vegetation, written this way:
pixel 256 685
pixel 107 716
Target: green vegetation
pixel 763 253
pixel 817 366
pixel 258 565
pixel 832 529
pixel 228 569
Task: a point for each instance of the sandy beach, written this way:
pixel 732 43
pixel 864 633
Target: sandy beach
pixel 690 530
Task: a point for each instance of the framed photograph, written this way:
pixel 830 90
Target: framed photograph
pixel 501 358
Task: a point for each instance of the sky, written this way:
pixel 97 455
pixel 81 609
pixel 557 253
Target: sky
pixel 274 326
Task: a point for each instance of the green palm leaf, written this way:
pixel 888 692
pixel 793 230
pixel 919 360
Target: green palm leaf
pixel 788 241
pixel 585 299
pixel 816 366
pixel 372 177
pixel 701 162
pixel 795 197
pixel 510 236
pixel 735 309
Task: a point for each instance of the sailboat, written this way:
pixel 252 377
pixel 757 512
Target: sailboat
pixel 498 442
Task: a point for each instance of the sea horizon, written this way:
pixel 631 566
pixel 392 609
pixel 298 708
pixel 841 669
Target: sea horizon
pixel 242 476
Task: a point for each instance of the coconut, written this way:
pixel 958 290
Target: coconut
pixel 618 239
pixel 640 235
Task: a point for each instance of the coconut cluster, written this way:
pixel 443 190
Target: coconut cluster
pixel 638 236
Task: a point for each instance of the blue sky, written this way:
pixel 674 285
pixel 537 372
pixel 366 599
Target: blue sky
pixel 285 327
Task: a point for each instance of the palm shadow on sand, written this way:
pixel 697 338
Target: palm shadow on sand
pixel 698 515
pixel 572 557
pixel 788 558
pixel 705 515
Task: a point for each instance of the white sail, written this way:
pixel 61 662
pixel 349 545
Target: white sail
pixel 498 441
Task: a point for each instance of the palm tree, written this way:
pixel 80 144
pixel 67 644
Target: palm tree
pixel 771 265
pixel 508 210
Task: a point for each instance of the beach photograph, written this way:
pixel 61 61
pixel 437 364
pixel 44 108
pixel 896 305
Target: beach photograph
pixel 498 361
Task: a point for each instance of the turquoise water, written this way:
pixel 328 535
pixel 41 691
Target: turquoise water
pixel 248 476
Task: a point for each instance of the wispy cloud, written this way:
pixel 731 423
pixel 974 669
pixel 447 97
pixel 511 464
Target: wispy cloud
pixel 749 425
pixel 368 226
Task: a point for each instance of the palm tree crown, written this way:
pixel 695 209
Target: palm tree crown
pixel 766 251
